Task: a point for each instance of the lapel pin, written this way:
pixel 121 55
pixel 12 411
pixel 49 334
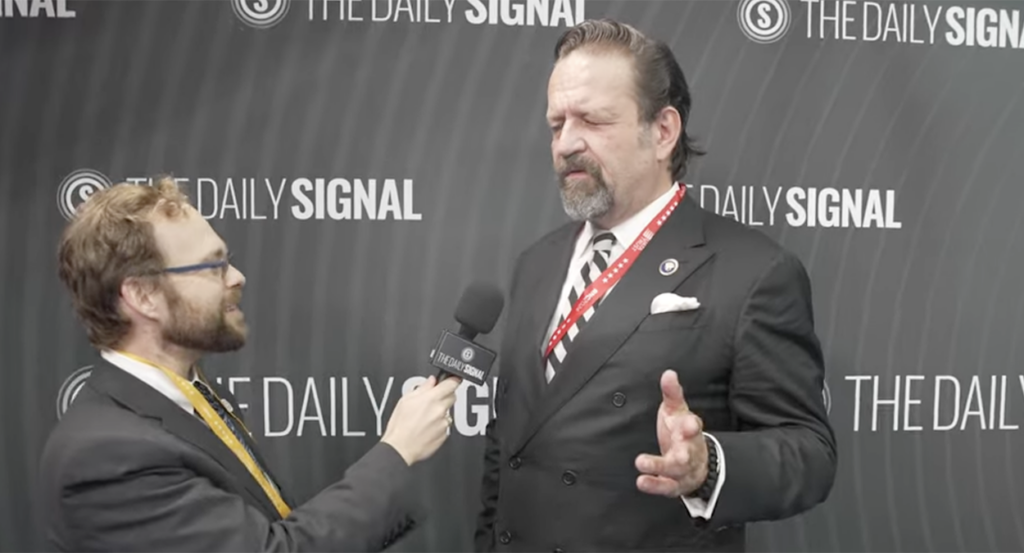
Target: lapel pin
pixel 668 267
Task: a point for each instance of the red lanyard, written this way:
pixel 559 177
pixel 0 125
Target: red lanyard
pixel 614 272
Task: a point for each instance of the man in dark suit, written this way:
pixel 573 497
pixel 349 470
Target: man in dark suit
pixel 595 446
pixel 152 456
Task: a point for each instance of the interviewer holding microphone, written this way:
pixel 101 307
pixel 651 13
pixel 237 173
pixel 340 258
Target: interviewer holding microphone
pixel 152 455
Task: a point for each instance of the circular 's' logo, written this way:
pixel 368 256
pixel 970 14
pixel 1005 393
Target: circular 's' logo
pixel 70 388
pixel 826 396
pixel 467 354
pixel 261 14
pixel 764 21
pixel 77 187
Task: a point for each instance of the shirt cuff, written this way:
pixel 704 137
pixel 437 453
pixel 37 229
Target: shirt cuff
pixel 698 507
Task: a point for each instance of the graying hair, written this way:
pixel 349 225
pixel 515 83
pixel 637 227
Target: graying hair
pixel 658 79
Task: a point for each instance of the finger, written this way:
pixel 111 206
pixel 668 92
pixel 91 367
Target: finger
pixel 692 426
pixel 684 426
pixel 673 466
pixel 672 391
pixel 658 485
pixel 447 386
pixel 426 385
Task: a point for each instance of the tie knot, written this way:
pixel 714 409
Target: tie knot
pixel 603 242
pixel 204 390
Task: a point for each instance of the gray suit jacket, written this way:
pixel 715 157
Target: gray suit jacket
pixel 128 470
pixel 559 468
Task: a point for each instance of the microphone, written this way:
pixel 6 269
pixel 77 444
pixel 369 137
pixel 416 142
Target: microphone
pixel 456 353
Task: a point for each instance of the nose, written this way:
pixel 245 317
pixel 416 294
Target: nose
pixel 235 277
pixel 567 141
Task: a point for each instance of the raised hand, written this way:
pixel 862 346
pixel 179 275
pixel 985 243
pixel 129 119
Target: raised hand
pixel 682 466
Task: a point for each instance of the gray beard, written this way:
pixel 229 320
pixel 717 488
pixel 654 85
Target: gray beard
pixel 586 207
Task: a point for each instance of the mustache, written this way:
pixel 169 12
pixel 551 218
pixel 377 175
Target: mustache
pixel 577 162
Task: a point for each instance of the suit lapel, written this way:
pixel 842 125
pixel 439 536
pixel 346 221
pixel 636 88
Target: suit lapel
pixel 251 441
pixel 546 285
pixel 147 402
pixel 623 309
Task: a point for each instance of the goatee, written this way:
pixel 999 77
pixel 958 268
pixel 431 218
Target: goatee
pixel 583 198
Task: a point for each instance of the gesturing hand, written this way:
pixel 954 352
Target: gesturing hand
pixel 682 466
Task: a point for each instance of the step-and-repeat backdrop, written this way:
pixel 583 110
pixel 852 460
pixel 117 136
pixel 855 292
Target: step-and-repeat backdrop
pixel 367 159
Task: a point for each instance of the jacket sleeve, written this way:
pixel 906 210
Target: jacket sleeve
pixel 782 459
pixel 154 503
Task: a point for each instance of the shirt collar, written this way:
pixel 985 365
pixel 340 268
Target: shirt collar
pixel 627 231
pixel 150 375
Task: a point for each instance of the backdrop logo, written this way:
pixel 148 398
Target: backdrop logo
pixel 764 21
pixel 50 9
pixel 77 187
pixel 799 206
pixel 348 406
pixel 937 402
pixel 70 388
pixel 916 23
pixel 505 13
pixel 303 199
pixel 261 14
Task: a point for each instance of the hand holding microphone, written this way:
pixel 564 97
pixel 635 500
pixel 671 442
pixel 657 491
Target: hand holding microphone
pixel 420 422
pixel 419 425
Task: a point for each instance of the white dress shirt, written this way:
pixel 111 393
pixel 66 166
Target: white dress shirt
pixel 152 376
pixel 625 233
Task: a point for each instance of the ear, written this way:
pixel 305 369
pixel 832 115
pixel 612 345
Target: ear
pixel 667 127
pixel 141 297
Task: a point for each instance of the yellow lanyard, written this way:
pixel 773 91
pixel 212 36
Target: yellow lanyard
pixel 219 427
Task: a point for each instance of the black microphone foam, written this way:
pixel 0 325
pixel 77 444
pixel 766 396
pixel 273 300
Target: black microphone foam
pixel 479 309
pixel 457 354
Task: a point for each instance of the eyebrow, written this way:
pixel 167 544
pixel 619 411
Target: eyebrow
pixel 604 113
pixel 216 255
pixel 597 112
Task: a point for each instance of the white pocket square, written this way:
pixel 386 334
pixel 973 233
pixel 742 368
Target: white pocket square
pixel 668 302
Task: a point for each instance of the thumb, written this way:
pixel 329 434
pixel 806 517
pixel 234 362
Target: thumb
pixel 427 384
pixel 672 391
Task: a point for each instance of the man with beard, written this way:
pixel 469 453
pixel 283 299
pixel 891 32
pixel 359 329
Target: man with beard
pixel 152 455
pixel 595 446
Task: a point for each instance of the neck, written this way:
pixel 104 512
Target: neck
pixel 174 358
pixel 635 204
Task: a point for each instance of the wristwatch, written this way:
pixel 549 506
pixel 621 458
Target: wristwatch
pixel 708 487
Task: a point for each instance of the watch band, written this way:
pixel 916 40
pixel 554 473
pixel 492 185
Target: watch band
pixel 706 489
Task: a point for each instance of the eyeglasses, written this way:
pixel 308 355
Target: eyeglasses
pixel 221 264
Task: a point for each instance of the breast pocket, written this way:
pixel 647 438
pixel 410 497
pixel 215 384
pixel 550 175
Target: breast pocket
pixel 673 320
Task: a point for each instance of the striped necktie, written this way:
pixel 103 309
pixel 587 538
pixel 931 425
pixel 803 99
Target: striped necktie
pixel 602 249
pixel 229 421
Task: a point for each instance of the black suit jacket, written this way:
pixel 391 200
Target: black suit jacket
pixel 127 469
pixel 560 472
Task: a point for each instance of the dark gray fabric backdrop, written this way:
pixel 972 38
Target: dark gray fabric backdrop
pixel 905 117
